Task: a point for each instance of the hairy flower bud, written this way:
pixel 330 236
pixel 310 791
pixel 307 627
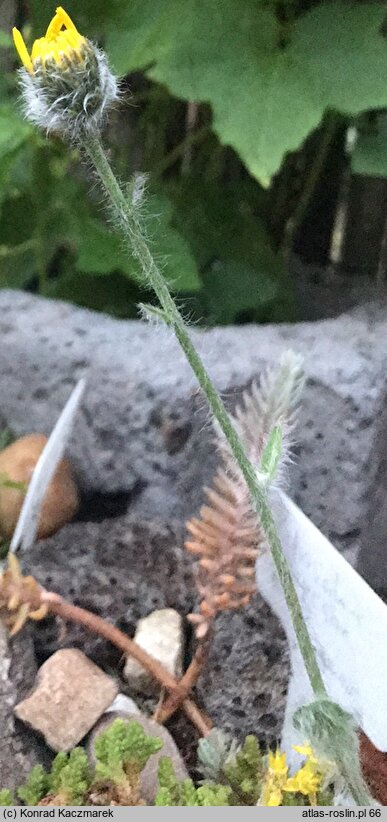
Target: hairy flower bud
pixel 66 81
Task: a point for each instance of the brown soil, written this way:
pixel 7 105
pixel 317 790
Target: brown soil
pixel 374 764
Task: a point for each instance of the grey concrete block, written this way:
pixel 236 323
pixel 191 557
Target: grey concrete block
pixel 142 449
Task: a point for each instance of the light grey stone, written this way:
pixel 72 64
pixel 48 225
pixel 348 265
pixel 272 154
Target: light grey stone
pixel 141 429
pixel 149 782
pixel 161 635
pixel 123 704
pixel 346 620
pixel 143 450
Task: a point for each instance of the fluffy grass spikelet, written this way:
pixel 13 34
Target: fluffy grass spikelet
pixel 265 406
pixel 227 537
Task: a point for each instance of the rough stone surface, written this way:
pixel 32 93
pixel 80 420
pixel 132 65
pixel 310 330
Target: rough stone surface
pixel 161 635
pixel 18 748
pixel 141 432
pixel 124 569
pixel 69 695
pixel 143 449
pixel 149 783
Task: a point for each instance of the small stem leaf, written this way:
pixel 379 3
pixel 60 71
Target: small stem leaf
pixel 331 732
pixel 271 455
pixel 152 312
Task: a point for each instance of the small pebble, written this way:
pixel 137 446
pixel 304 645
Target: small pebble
pixel 161 635
pixel 61 501
pixel 123 705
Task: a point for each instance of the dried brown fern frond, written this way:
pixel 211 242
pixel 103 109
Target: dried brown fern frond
pixel 227 537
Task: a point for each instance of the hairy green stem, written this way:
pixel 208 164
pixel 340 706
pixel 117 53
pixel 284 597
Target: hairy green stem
pixel 126 218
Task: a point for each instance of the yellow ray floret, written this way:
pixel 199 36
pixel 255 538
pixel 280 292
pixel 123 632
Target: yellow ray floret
pixel 62 40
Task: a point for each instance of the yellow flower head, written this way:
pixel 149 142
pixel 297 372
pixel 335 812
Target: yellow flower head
pixel 66 83
pixel 275 780
pixel 277 763
pixel 61 42
pixel 306 781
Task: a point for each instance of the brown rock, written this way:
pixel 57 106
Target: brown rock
pixel 374 767
pixel 17 463
pixel 69 696
pixel 149 782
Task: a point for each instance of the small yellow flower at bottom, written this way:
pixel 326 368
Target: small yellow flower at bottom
pixel 276 778
pixel 306 781
pixel 309 777
pixel 272 797
pixel 277 763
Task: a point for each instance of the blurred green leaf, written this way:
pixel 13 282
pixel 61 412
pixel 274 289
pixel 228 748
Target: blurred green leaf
pixel 267 94
pixel 234 292
pixel 101 250
pixel 267 87
pixel 5 40
pixel 171 250
pixel 240 272
pixel 370 153
pixel 13 129
pixel 89 16
pixel 17 264
pixel 114 293
pixel 14 133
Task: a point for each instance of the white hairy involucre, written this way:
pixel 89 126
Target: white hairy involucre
pixel 70 99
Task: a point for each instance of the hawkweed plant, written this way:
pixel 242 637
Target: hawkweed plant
pixel 67 89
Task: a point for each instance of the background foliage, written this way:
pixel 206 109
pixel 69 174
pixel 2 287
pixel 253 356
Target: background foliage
pixel 232 108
